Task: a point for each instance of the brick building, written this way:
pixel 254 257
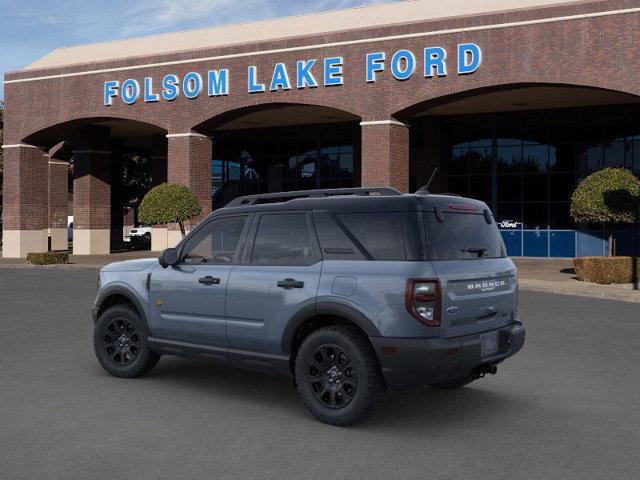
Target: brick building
pixel 513 101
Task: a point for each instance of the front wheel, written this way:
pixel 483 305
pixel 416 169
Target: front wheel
pixel 338 376
pixel 120 342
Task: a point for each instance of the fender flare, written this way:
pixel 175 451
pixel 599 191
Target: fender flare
pixel 327 308
pixel 123 290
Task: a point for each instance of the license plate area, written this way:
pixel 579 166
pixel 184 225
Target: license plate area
pixel 489 344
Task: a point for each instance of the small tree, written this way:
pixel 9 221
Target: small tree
pixel 611 195
pixel 169 203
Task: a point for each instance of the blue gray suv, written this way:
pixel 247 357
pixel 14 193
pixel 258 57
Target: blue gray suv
pixel 348 291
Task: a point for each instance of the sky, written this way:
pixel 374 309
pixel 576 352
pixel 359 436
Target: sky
pixel 29 29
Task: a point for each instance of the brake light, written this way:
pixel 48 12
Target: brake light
pixel 422 300
pixel 459 207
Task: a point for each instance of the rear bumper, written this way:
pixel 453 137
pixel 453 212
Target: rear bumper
pixel 418 362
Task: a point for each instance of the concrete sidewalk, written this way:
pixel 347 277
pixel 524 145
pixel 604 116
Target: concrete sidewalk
pixel 556 275
pixel 536 274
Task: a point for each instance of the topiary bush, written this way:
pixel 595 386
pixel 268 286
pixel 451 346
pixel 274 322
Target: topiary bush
pixel 48 258
pixel 611 195
pixel 169 203
pixel 607 270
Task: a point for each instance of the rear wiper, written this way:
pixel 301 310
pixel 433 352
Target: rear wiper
pixel 478 250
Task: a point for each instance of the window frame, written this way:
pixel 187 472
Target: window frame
pixel 207 224
pixel 247 252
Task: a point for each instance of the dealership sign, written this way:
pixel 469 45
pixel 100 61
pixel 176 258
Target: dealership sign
pixel 308 73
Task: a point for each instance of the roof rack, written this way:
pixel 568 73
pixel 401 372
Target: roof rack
pixel 287 196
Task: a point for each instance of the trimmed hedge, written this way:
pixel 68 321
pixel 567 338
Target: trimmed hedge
pixel 48 258
pixel 607 270
pixel 611 195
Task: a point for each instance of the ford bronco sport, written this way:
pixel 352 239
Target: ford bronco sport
pixel 348 291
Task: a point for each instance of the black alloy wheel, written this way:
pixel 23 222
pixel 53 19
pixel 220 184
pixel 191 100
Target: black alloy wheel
pixel 338 375
pixel 121 341
pixel 332 376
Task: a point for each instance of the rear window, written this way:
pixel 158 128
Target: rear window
pixel 462 236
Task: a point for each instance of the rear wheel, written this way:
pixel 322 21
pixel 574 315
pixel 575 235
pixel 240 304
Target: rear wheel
pixel 337 375
pixel 120 342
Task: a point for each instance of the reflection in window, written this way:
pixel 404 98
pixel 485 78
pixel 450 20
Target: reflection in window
pixel 272 160
pixel 539 158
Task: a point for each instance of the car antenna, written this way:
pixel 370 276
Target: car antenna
pixel 425 189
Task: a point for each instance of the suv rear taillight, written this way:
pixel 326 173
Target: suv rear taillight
pixel 422 299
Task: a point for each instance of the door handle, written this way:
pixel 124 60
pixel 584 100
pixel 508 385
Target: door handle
pixel 209 280
pixel 289 283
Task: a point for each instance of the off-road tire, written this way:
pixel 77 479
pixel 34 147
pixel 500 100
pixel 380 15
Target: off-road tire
pixel 105 341
pixel 454 383
pixel 361 363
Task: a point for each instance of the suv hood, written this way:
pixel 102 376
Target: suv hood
pixel 131 265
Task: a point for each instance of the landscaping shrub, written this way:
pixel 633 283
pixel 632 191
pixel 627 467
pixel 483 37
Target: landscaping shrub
pixel 169 203
pixel 607 270
pixel 610 195
pixel 48 258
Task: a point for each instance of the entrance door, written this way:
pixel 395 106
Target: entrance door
pixel 188 300
pixel 279 276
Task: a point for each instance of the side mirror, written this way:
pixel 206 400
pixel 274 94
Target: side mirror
pixel 168 257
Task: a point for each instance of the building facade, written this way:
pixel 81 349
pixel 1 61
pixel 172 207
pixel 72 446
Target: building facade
pixel 513 107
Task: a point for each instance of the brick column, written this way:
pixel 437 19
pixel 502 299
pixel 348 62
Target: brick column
pixel 385 154
pixel 91 191
pixel 159 233
pixel 58 191
pixel 25 209
pixel 189 164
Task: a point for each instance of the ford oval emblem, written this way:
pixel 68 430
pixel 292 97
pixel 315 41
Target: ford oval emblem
pixel 452 309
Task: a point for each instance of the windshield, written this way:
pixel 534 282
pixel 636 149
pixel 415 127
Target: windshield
pixel 462 236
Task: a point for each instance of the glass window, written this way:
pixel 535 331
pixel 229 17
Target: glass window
pixel 559 217
pixel 618 154
pixel 458 184
pixel 534 187
pixel 334 242
pixel 561 186
pixel 535 215
pixel 481 188
pixel 510 212
pixel 535 158
pixel 459 161
pixel 562 158
pixel 216 242
pixel 379 233
pixel 480 160
pixel 283 239
pixel 509 159
pixel 462 236
pixel 509 187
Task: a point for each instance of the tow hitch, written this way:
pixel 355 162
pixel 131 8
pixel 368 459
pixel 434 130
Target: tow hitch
pixel 483 370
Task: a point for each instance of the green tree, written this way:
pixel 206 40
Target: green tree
pixel 169 203
pixel 611 195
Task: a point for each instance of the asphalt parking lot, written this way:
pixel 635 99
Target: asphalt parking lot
pixel 566 407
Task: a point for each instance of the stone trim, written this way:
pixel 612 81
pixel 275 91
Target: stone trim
pixel 190 134
pixel 383 122
pixel 21 145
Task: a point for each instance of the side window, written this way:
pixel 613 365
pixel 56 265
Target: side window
pixel 335 244
pixel 380 234
pixel 216 242
pixel 283 239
